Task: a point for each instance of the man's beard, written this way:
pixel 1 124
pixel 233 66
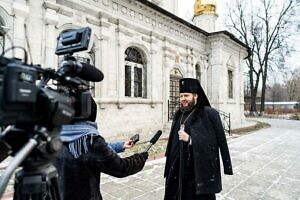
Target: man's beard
pixel 189 107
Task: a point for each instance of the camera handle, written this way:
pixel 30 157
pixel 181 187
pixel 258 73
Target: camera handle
pixel 18 159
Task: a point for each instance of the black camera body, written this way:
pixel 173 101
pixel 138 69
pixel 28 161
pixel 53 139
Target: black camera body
pixel 18 91
pixel 24 101
pixel 32 106
pixel 32 112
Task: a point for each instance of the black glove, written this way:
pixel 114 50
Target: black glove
pixel 140 159
pixel 145 155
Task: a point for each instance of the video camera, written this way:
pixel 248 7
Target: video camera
pixel 23 101
pixel 31 108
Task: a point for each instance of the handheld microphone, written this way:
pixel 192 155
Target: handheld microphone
pixel 154 140
pixel 82 70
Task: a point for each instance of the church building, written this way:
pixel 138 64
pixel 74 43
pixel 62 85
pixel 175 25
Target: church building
pixel 143 48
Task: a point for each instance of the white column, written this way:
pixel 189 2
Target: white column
pixel 241 102
pixel 50 42
pixel 216 73
pixel 102 63
pixel 165 84
pixel 151 73
pixel 120 50
pixel 189 61
pixel 204 74
pixel 21 11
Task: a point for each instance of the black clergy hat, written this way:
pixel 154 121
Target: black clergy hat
pixel 191 85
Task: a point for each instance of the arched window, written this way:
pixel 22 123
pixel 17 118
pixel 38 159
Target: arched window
pixel 135 73
pixel 198 72
pixel 2 36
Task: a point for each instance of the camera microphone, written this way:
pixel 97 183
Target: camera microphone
pixel 154 140
pixel 82 70
pixel 90 73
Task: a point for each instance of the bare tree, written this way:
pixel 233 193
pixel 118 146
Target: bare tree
pixel 264 29
pixel 275 92
pixel 242 22
pixel 292 84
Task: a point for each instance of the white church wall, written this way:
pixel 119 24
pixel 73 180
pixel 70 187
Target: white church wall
pixel 117 25
pixel 226 55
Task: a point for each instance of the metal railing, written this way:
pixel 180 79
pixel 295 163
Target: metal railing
pixel 225 117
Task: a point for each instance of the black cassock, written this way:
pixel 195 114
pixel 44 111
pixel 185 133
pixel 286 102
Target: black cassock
pixel 181 178
pixel 200 171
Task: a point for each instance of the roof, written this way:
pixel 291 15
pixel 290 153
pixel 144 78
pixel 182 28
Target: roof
pixel 171 15
pixel 182 21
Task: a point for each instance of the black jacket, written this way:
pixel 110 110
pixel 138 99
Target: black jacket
pixel 208 138
pixel 79 179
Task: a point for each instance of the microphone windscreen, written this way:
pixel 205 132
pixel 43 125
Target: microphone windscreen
pixel 155 137
pixel 90 73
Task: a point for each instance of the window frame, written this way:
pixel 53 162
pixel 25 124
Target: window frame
pixel 137 87
pixel 230 76
pixel 135 74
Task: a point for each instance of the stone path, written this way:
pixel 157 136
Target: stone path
pixel 266 166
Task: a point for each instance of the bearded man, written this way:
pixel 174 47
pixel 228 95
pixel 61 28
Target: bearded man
pixel 192 169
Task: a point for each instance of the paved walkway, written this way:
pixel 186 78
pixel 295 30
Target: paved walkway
pixel 266 166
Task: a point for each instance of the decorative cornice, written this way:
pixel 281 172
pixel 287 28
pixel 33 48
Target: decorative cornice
pixel 51 18
pixel 51 5
pixel 58 8
pixel 20 9
pixel 149 39
pixel 124 31
pixel 93 21
pixel 136 12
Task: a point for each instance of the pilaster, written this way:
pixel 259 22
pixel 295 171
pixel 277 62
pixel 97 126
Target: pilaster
pixel 21 11
pixel 50 42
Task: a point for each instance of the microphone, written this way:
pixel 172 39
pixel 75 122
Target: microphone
pixel 90 73
pixel 82 70
pixel 154 140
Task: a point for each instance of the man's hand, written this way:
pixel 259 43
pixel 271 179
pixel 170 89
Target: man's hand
pixel 129 144
pixel 183 136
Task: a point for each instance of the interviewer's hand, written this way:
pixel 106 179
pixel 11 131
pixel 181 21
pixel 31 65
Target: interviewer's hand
pixel 145 155
pixel 129 144
pixel 183 136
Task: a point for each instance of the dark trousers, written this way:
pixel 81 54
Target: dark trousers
pixel 199 197
pixel 189 193
pixel 188 190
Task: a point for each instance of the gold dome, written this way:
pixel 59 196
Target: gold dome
pixel 208 6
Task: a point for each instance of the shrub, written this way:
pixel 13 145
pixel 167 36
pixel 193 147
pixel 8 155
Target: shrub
pixel 295 117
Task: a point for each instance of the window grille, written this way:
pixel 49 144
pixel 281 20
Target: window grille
pixel 2 37
pixel 230 84
pixel 135 74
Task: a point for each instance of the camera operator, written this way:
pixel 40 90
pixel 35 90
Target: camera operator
pixel 83 157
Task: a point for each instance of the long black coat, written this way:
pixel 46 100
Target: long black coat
pixel 208 138
pixel 79 179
